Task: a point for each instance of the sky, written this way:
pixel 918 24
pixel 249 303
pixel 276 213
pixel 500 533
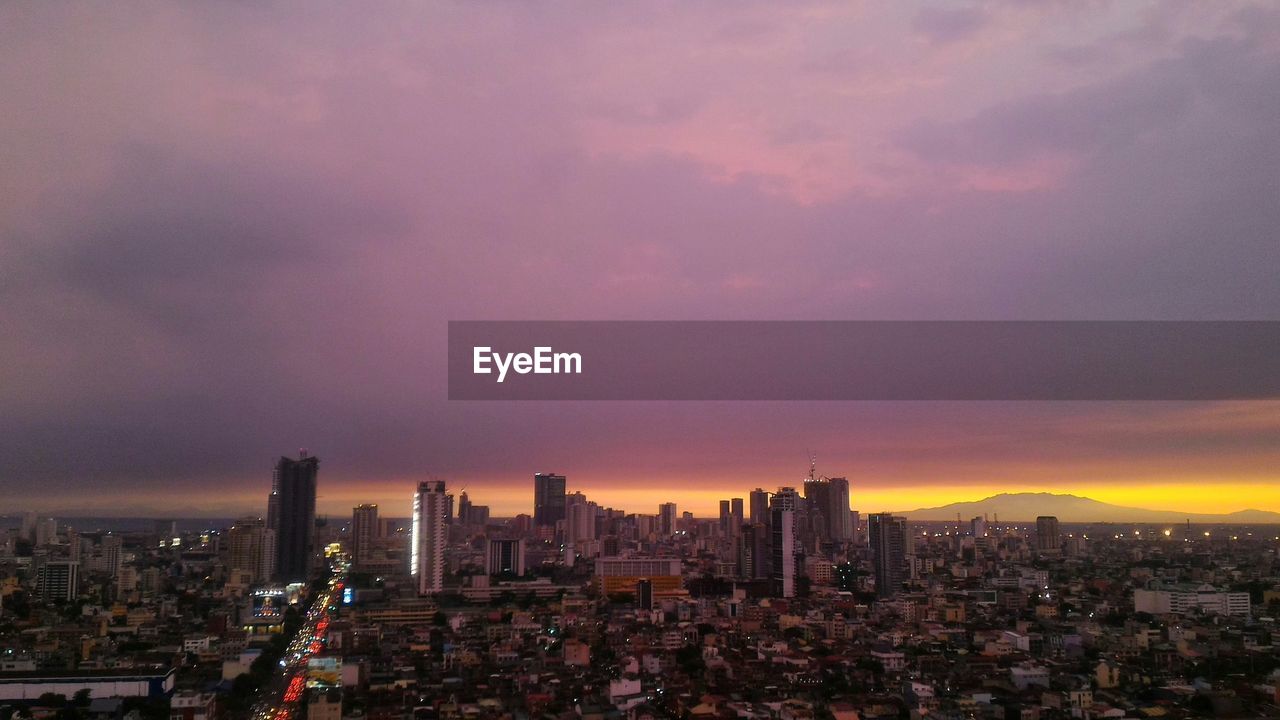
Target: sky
pixel 229 231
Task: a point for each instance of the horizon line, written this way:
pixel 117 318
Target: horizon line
pixel 1192 517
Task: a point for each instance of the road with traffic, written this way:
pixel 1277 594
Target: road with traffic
pixel 284 696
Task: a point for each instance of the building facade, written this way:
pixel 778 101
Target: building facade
pixel 888 537
pixel 548 499
pixel 294 489
pixel 426 557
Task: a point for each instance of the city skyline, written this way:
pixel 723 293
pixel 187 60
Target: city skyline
pixel 1021 506
pixel 640 361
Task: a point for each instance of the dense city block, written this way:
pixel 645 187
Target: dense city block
pixel 788 605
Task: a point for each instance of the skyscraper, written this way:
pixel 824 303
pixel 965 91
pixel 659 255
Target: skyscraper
pixel 251 548
pixel 273 503
pixel 736 518
pixel 364 530
pixel 548 499
pixel 978 526
pixel 426 555
pixel 753 552
pixel 464 508
pixel 295 491
pixel 726 519
pixel 786 499
pixel 580 522
pixel 667 519
pixel 783 549
pixel 817 496
pixel 1048 537
pixel 113 554
pixel 888 537
pixel 840 517
pixel 759 506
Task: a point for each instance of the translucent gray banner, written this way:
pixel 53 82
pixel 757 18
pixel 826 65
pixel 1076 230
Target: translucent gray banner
pixel 857 360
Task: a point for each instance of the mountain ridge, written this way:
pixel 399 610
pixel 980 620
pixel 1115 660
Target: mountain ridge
pixel 1026 506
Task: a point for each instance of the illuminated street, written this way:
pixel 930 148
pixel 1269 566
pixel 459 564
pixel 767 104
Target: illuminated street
pixel 283 697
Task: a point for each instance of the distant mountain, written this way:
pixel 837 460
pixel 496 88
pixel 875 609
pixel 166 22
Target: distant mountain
pixel 1022 507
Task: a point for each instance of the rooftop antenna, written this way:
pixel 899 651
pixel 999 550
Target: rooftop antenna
pixel 813 465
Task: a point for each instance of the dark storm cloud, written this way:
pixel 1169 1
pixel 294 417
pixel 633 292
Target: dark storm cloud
pixel 176 238
pixel 170 300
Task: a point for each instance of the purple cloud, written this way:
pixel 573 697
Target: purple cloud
pixel 230 231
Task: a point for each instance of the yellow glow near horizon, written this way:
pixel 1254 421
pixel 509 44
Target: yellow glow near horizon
pixel 337 497
pixel 704 501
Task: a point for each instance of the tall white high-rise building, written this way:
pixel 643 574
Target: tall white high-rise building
pixel 426 557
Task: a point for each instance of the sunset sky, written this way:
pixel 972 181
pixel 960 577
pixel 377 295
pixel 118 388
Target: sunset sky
pixel 232 230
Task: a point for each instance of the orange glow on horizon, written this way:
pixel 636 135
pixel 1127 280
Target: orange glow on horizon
pixel 1184 496
pixel 338 496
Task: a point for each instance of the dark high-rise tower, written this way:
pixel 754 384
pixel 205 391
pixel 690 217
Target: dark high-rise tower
pixel 759 507
pixel 364 530
pixel 1048 537
pixel 753 552
pixel 840 517
pixel 783 549
pixel 667 523
pixel 464 508
pixel 548 499
pixel 888 536
pixel 817 496
pixel 294 506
